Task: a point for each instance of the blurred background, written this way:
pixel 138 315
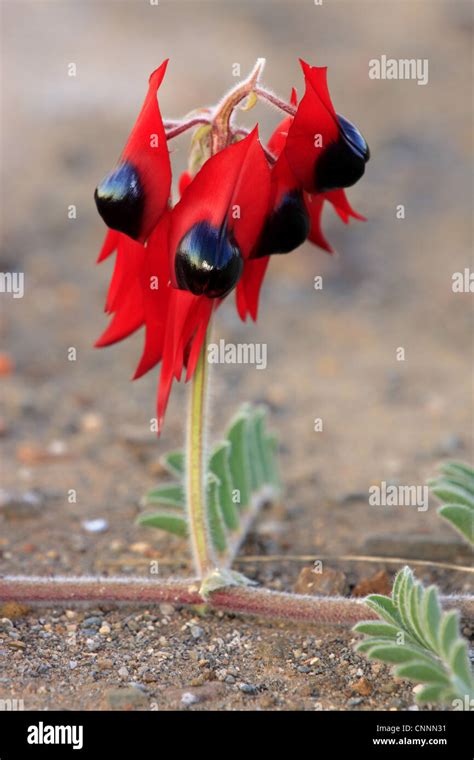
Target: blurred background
pixel 81 426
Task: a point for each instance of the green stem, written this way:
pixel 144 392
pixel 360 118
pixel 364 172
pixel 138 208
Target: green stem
pixel 201 544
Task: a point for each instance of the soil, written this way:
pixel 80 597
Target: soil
pixel 80 427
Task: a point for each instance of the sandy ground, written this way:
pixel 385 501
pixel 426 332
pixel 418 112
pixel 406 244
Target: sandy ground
pixel 331 354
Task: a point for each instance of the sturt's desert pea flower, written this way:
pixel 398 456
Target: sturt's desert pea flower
pixel 240 205
pixel 325 151
pixel 133 196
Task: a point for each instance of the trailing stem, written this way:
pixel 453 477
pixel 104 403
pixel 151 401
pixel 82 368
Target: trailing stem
pixel 235 599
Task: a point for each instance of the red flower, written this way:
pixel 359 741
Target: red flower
pixel 325 151
pixel 134 195
pixel 173 266
pixel 215 224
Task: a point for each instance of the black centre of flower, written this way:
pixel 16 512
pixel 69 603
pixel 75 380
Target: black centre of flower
pixel 286 228
pixel 120 200
pixel 208 261
pixel 343 162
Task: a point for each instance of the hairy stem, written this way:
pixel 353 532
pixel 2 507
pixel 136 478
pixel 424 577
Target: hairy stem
pixel 201 545
pixel 180 127
pixel 275 100
pixel 250 601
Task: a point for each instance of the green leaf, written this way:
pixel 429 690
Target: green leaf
pixel 168 521
pixel 432 693
pixel 395 653
pixel 461 468
pixel 459 662
pixel 423 673
pixel 173 462
pixel 449 632
pixel 255 465
pixel 431 616
pixel 415 602
pixel 239 458
pixel 171 496
pixel 375 628
pixel 458 478
pixel 271 464
pixel 461 518
pixel 219 466
pixel 452 494
pixel 384 607
pixel 431 650
pixel 216 525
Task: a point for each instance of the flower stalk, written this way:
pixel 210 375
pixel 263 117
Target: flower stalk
pixel 201 546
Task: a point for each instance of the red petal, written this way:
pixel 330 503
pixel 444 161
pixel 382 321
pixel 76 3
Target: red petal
pixel 342 206
pixel 109 245
pixel 128 318
pixel 128 262
pixel 155 300
pixel 235 180
pixel 147 150
pixel 315 116
pixel 314 204
pixel 248 289
pixel 184 181
pixel 180 304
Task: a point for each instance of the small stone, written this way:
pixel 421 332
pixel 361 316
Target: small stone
pixel 188 698
pixel 328 583
pixel 25 504
pixel 16 644
pixel 387 688
pixel 92 621
pixel 362 687
pixel 354 701
pixel 5 625
pixel 196 631
pixel 91 422
pixel 70 614
pixel 104 629
pixel 96 525
pixel 166 609
pixel 126 698
pixel 123 672
pixel 72 664
pixel 248 688
pixel 229 679
pixel 375 584
pixel 104 664
pixel 140 547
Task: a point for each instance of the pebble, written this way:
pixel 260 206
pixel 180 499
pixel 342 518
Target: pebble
pixel 72 664
pixel 5 625
pixel 376 584
pixel 362 687
pixel 329 582
pixel 126 698
pixel 92 621
pixel 248 688
pixel 354 701
pixel 96 525
pixel 196 631
pixel 188 699
pixel 123 672
pixel 25 504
